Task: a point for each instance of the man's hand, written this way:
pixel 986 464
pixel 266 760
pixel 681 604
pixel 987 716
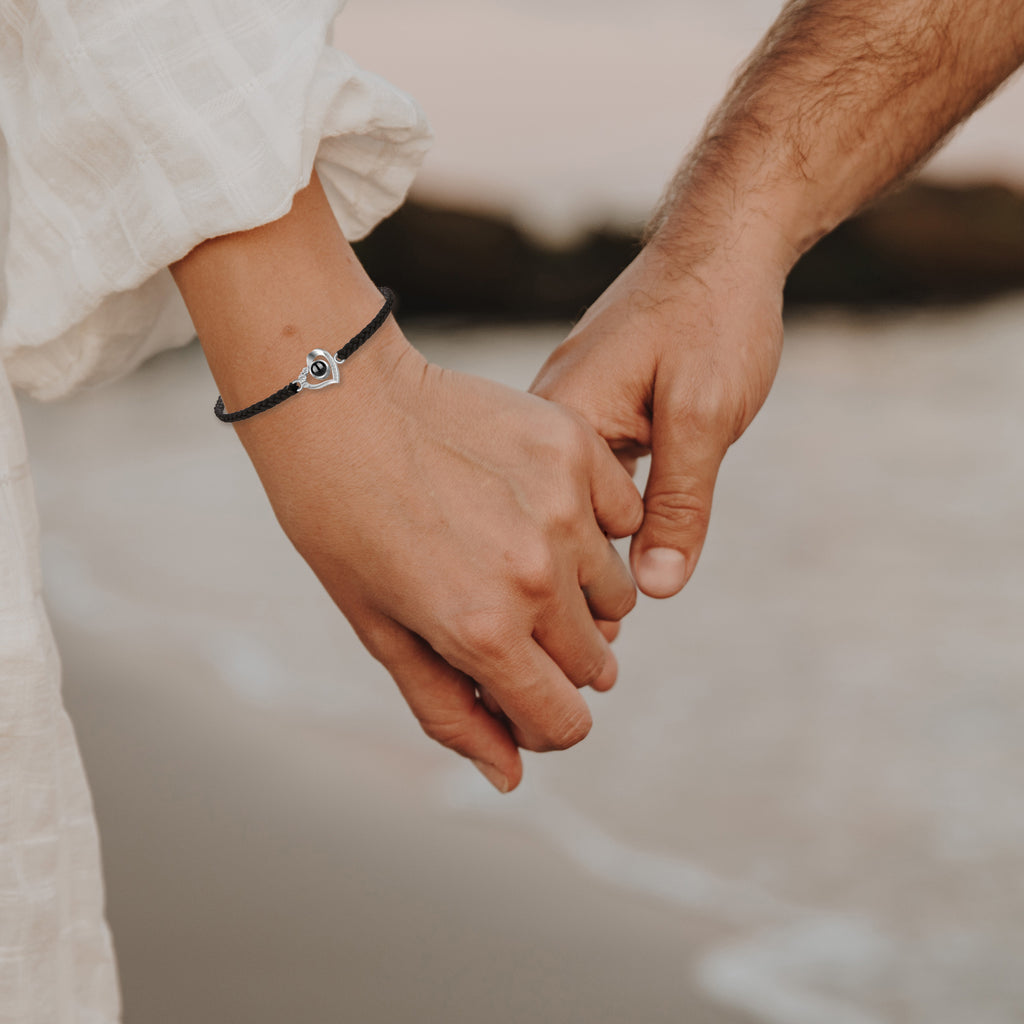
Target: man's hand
pixel 840 99
pixel 675 358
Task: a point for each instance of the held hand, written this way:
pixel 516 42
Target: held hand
pixel 463 534
pixel 674 359
pixel 460 526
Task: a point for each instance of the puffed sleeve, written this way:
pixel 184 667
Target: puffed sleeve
pixel 133 131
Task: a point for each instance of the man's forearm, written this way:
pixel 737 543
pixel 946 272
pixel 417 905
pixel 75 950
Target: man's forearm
pixel 840 99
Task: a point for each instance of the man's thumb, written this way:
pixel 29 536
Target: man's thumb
pixel 677 506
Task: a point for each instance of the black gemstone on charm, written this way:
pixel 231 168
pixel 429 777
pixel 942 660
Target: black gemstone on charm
pixel 319 368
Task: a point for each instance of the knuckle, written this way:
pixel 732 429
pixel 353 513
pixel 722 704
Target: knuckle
pixel 702 414
pixel 681 513
pixel 568 434
pixel 378 641
pixel 481 634
pixel 716 416
pixel 704 408
pixel 533 570
pixel 620 606
pixel 567 443
pixel 569 730
pixel 592 671
pixel 449 732
pixel 563 514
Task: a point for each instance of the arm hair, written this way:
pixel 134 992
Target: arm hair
pixel 839 100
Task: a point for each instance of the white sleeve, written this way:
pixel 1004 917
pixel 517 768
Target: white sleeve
pixel 133 131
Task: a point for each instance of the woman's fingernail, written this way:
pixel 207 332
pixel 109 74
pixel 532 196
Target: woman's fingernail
pixel 492 775
pixel 661 572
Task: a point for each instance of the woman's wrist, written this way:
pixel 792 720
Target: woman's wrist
pixel 261 300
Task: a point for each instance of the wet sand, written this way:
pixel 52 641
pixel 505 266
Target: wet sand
pixel 265 869
pixel 802 803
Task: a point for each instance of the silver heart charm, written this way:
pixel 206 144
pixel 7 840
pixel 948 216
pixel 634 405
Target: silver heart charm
pixel 322 370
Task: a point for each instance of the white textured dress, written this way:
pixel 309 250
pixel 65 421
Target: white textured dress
pixel 131 130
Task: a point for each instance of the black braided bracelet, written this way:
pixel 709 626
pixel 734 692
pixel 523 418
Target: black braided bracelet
pixel 322 369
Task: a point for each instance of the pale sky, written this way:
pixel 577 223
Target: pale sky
pixel 568 112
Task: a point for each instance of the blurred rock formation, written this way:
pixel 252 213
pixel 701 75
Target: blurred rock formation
pixel 925 244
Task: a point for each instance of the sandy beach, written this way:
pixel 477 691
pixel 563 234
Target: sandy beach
pixel 268 868
pixel 801 805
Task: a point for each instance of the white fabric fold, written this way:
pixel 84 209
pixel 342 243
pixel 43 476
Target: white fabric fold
pixel 56 960
pixel 133 131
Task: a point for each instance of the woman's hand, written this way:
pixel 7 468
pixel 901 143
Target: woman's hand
pixel 459 525
pixel 461 528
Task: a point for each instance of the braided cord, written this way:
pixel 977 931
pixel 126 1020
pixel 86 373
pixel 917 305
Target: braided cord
pixel 370 329
pixel 298 385
pixel 251 410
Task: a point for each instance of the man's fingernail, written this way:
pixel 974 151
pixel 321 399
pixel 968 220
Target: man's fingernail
pixel 492 775
pixel 661 572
